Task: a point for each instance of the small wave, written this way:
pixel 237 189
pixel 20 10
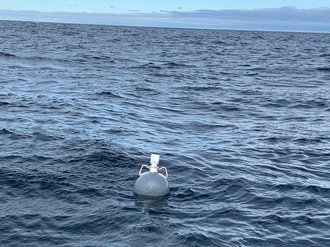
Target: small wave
pixel 159 66
pixel 251 74
pixel 197 238
pixel 7 55
pixel 46 62
pixel 198 88
pixel 325 69
pixel 184 194
pixel 93 57
pixel 150 66
pixel 277 103
pixel 219 42
pixel 5 132
pixel 311 104
pixel 176 65
pixel 11 135
pixel 4 103
pixel 44 137
pixel 225 107
pixel 109 94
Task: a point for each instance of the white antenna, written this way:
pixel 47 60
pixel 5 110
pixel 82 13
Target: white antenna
pixel 154 160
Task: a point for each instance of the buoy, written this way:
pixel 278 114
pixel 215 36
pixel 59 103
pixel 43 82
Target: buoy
pixel 152 182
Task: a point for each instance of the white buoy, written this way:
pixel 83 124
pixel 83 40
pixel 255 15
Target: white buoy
pixel 152 183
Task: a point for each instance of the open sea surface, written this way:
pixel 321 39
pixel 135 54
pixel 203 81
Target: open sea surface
pixel 241 120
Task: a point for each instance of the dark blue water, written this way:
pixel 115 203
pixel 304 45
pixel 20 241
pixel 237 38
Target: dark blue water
pixel 240 119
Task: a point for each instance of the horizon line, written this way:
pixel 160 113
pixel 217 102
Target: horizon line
pixel 285 19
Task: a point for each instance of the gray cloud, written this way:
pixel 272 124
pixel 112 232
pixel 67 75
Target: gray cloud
pixel 271 14
pixel 286 18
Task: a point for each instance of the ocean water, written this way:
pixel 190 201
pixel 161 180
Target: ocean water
pixel 239 118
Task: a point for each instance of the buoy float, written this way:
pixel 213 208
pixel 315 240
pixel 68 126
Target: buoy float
pixel 152 182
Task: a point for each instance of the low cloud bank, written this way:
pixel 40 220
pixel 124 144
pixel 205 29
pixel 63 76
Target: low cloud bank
pixel 286 18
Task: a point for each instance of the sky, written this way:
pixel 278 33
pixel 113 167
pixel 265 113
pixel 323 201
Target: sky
pixel 285 15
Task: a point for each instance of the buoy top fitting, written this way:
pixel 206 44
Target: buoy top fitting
pixel 153 168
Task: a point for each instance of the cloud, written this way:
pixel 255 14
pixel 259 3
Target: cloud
pixel 286 18
pixel 269 14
